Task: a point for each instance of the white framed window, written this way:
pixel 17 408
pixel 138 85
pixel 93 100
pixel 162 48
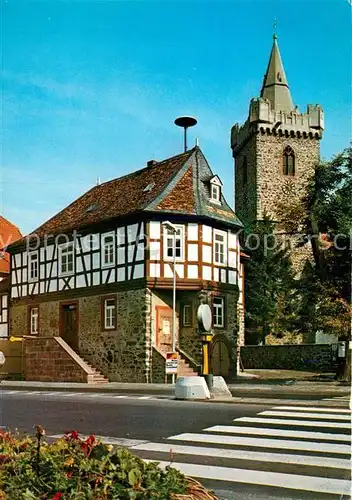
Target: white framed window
pixel 220 247
pixel 108 249
pixel 215 193
pixel 34 321
pixel 66 259
pixel 33 266
pixel 219 312
pixel 109 313
pixel 169 238
pixel 187 315
pixel 215 190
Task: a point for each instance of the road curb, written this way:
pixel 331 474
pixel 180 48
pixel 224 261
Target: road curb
pixel 169 390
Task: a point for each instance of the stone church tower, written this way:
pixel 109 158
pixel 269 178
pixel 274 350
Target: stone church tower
pixel 276 149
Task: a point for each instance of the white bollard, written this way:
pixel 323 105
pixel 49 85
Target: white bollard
pixel 191 388
pixel 220 389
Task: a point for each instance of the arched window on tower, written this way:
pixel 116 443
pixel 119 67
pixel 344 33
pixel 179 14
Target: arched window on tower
pixel 288 161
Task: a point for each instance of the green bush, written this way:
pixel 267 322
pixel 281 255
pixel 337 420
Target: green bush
pixel 72 468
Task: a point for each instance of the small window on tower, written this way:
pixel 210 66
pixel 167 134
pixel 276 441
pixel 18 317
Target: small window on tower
pixel 288 160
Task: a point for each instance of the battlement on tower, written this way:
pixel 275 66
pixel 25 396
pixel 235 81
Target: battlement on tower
pixel 264 119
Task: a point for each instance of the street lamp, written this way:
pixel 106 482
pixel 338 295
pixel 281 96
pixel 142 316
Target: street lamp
pixel 173 229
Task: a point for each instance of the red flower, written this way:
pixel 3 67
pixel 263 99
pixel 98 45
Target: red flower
pixel 4 459
pixel 88 444
pixel 57 496
pixel 71 435
pixel 90 440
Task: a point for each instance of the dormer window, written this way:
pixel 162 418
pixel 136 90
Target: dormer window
pixel 215 190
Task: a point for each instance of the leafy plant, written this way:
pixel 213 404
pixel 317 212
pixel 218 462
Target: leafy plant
pixel 269 285
pixel 75 469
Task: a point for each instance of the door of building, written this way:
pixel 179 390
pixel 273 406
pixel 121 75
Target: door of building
pixel 164 328
pixel 69 324
pixel 220 359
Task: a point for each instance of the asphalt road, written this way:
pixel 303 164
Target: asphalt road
pixel 131 418
pixel 242 459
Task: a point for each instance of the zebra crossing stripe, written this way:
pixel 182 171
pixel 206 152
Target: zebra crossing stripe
pixel 314 461
pixel 263 443
pixel 338 398
pixel 263 478
pixel 232 429
pixel 296 423
pixel 313 408
pixel 69 394
pixel 326 416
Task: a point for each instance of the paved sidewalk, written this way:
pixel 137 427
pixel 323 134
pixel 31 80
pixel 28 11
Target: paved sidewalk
pixel 249 389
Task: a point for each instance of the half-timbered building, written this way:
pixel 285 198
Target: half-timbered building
pixel 8 234
pixel 99 273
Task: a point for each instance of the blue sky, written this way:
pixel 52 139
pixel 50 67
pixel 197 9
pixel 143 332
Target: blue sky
pixel 91 88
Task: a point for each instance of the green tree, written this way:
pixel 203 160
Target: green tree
pixel 269 284
pixel 324 217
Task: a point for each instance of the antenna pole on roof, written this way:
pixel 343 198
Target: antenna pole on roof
pixel 185 122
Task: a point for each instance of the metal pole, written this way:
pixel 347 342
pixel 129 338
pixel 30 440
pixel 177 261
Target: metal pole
pixel 174 300
pixel 185 136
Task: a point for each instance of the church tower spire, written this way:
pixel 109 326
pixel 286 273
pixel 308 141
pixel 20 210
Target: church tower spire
pixel 275 86
pixel 276 149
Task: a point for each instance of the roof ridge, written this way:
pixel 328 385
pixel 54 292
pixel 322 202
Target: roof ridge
pixel 185 153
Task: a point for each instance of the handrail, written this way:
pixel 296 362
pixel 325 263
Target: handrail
pixel 191 361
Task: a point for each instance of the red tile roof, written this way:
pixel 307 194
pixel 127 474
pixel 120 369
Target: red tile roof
pixel 176 185
pixel 122 196
pixel 8 234
pixel 181 196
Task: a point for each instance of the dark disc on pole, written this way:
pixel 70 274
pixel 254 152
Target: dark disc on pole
pixel 185 122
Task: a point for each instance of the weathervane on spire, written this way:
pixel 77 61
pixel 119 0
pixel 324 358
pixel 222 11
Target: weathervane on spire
pixel 275 29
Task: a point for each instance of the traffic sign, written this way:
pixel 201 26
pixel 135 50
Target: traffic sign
pixel 171 363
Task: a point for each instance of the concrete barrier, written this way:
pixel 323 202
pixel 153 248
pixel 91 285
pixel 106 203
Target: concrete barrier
pixel 191 388
pixel 220 389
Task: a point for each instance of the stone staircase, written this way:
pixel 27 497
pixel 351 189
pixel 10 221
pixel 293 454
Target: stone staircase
pixel 95 377
pixel 184 370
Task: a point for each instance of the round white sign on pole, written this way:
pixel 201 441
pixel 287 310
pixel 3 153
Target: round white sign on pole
pixel 204 318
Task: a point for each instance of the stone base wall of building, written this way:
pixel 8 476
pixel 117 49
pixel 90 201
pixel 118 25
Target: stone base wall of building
pixel 309 357
pixel 158 367
pixel 12 369
pixel 189 339
pixel 47 360
pixel 120 354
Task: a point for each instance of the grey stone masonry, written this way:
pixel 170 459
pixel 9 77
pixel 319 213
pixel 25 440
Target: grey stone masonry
pixel 308 357
pixel 260 182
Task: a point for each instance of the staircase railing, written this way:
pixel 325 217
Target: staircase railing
pixel 197 367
